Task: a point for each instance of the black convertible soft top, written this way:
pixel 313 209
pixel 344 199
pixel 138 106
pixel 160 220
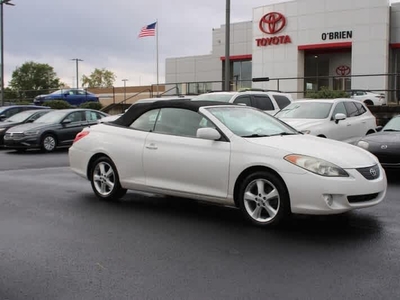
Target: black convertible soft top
pixel 138 109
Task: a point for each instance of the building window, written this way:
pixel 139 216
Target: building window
pixel 241 74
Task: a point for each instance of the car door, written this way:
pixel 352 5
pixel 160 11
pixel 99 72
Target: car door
pixel 340 130
pixel 367 122
pixel 175 159
pixel 71 125
pixel 72 98
pixel 354 124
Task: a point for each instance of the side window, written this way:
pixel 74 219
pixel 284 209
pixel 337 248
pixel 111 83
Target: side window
pixel 75 117
pixel 92 116
pixel 282 101
pixel 80 92
pixel 263 103
pixel 146 121
pixel 351 108
pixel 361 108
pixel 181 122
pixel 339 109
pixel 243 99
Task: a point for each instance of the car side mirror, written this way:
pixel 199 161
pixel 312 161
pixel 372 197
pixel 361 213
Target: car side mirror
pixel 208 134
pixel 379 128
pixel 339 117
pixel 2 117
pixel 67 121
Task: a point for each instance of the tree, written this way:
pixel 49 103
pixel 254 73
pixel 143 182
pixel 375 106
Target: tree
pixel 99 78
pixel 32 79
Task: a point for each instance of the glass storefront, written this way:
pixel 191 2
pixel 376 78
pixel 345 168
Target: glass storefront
pixel 324 70
pixel 241 72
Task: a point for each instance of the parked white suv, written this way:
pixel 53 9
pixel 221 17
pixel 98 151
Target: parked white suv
pixel 368 97
pixel 268 101
pixel 344 119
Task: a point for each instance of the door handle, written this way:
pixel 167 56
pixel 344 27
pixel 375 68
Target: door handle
pixel 151 146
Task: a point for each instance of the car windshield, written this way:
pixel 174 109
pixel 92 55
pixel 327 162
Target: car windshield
pixel 213 97
pixel 22 116
pixel 392 125
pixel 305 110
pixel 51 117
pixel 250 122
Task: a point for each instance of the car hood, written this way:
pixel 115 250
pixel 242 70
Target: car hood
pixel 30 126
pixel 388 138
pixel 339 153
pixel 9 124
pixel 303 124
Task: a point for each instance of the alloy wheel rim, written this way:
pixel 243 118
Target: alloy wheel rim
pixel 261 200
pixel 49 143
pixel 104 178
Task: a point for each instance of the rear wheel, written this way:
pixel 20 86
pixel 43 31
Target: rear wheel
pixel 368 102
pixel 104 179
pixel 263 199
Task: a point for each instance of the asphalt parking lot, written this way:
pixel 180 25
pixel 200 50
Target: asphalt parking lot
pixel 57 241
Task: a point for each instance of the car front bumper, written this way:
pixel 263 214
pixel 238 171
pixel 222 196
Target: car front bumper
pixel 25 142
pixel 317 195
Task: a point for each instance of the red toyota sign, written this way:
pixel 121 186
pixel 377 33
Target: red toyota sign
pixel 343 70
pixel 273 23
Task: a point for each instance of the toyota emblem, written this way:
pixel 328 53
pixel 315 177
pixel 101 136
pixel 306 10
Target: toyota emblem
pixel 343 70
pixel 272 23
pixel 372 172
pixel 384 147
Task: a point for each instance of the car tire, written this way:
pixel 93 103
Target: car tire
pixel 48 143
pixel 368 102
pixel 104 179
pixel 264 199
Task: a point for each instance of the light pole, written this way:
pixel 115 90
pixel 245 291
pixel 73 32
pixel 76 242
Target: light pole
pixel 227 45
pixel 124 80
pixel 77 60
pixel 6 2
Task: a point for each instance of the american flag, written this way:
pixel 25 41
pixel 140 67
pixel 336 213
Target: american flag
pixel 149 30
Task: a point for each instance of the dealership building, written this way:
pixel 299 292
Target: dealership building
pixel 302 45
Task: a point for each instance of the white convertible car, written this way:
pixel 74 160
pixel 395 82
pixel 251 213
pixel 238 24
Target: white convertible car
pixel 229 154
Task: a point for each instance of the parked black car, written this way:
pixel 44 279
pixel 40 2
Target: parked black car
pixel 27 116
pixel 57 128
pixel 385 144
pixel 8 111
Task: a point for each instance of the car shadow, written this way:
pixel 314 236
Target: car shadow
pixel 34 151
pixel 393 177
pixel 349 227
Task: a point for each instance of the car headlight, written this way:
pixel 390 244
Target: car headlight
pixel 316 165
pixel 363 144
pixel 31 132
pixel 2 129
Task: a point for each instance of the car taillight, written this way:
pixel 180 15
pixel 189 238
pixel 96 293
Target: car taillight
pixel 80 135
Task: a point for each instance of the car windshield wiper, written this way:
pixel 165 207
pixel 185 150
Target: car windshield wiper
pixel 285 133
pixel 255 135
pixel 391 130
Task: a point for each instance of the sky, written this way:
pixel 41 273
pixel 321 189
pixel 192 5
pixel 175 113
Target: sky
pixel 104 34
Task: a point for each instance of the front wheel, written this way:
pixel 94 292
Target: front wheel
pixel 263 199
pixel 49 143
pixel 105 180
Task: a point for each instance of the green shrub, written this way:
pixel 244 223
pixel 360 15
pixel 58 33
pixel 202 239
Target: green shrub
pixel 57 104
pixel 91 105
pixel 326 93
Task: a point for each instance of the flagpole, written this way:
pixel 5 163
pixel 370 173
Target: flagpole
pixel 157 52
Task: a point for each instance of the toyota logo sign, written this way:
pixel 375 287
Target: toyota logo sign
pixel 343 70
pixel 272 23
pixel 373 172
